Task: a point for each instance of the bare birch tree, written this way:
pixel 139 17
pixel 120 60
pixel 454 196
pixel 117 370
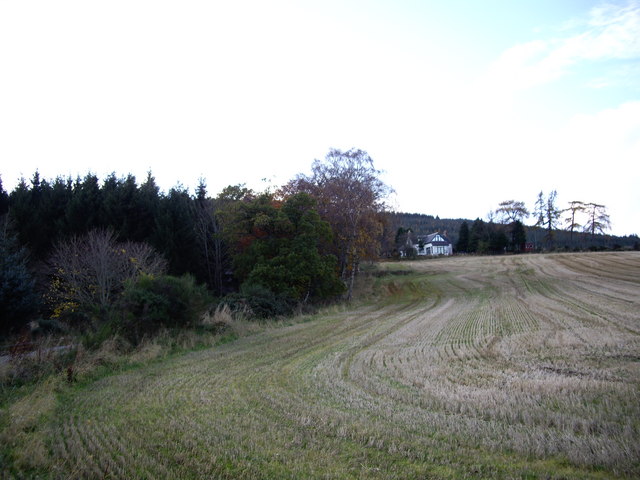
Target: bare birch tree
pixel 90 270
pixel 351 198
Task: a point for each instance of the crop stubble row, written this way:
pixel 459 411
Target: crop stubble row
pixel 533 355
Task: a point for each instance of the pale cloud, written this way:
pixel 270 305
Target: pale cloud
pixel 614 32
pixel 625 76
pixel 610 32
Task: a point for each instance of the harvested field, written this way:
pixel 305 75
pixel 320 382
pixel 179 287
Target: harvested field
pixel 476 367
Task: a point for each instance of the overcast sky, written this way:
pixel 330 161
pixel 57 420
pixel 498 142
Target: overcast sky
pixel 463 104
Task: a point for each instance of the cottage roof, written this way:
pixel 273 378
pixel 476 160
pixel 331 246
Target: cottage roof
pixel 429 239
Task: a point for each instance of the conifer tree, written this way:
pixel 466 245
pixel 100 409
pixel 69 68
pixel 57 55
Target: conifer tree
pixel 83 212
pixel 571 220
pixel 463 238
pixel 547 215
pixel 175 235
pixel 518 236
pixel 18 299
pixel 4 200
pixel 598 219
pixel 478 237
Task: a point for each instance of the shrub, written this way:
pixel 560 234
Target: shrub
pixel 94 338
pixel 151 303
pixel 260 302
pixel 410 253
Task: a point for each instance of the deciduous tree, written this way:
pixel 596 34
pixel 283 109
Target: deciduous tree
pixel 350 197
pixel 511 210
pixel 89 271
pixel 278 247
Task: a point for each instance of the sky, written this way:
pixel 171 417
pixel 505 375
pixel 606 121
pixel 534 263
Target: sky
pixel 461 104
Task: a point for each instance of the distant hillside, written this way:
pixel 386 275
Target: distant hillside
pixel 423 224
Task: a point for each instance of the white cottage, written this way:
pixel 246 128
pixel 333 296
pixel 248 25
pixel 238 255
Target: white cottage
pixel 434 244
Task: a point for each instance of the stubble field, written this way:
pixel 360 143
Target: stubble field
pixel 477 367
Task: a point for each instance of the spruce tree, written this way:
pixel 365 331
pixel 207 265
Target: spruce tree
pixel 18 300
pixel 518 236
pixel 463 238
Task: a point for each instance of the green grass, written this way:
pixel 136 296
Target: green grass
pixel 463 368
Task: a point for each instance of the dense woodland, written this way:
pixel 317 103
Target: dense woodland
pixel 120 255
pixel 89 253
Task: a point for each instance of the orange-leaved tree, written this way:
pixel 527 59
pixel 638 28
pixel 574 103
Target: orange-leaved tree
pixel 351 198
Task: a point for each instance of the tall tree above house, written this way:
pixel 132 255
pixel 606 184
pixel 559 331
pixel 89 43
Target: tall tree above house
pixel 351 197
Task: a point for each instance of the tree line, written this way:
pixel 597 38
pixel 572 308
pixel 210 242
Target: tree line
pixel 88 251
pixel 91 253
pixel 576 226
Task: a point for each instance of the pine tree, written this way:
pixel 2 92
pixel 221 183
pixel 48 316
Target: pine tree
pixel 478 237
pixel 571 220
pixel 598 220
pixel 518 236
pixel 144 214
pixel 176 233
pixel 547 215
pixel 83 211
pixel 18 299
pixel 463 238
pixel 4 201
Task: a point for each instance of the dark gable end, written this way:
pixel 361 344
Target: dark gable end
pixel 429 239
